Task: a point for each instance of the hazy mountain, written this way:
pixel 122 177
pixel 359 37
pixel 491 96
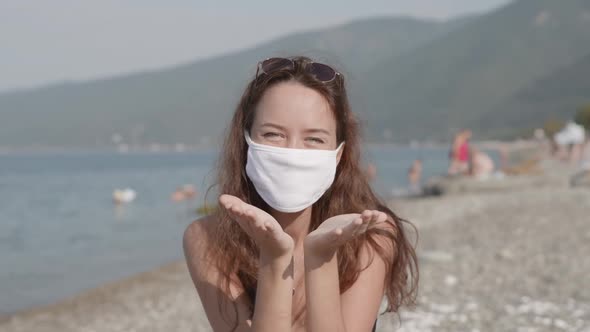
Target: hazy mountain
pixel 498 74
pixel 192 102
pixel 557 96
pixel 450 82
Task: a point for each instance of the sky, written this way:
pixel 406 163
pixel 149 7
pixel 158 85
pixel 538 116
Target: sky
pixel 43 42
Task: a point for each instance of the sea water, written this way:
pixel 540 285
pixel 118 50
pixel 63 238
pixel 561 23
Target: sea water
pixel 60 232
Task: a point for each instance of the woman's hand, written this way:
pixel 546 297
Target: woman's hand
pixel 266 232
pixel 336 231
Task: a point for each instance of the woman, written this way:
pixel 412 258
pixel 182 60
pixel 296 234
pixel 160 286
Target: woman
pixel 482 165
pixel 415 176
pixel 459 154
pixel 300 242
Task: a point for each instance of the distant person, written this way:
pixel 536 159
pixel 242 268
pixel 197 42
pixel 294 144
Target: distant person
pixel 459 154
pixel 544 145
pixel 177 195
pixel 504 153
pixel 189 191
pixel 184 193
pixel 124 196
pixel 585 155
pixel 570 142
pixel 415 175
pixel 482 165
pixel 300 241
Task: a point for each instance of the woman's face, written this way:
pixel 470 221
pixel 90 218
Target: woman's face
pixel 290 115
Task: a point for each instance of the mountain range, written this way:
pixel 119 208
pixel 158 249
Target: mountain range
pixel 500 74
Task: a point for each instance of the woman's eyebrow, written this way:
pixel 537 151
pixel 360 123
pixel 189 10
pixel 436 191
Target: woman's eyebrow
pixel 268 124
pixel 317 130
pixel 308 131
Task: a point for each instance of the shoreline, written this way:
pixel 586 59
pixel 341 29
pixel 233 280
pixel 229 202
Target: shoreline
pixel 120 304
pixel 171 149
pixel 93 292
pixel 494 255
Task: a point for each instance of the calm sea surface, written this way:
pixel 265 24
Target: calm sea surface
pixel 60 232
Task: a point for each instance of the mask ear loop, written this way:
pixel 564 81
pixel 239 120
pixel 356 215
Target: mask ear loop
pixel 247 137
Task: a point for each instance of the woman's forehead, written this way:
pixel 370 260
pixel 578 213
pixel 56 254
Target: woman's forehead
pixel 295 106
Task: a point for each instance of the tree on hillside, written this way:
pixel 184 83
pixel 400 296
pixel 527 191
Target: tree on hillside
pixel 552 126
pixel 583 117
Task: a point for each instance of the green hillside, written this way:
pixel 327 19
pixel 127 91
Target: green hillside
pixel 555 97
pixel 191 103
pixel 499 74
pixel 453 80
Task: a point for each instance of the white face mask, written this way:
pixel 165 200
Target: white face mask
pixel 290 180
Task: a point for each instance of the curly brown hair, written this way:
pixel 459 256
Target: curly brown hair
pixel 234 252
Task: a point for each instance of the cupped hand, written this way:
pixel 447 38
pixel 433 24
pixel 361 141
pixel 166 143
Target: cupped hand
pixel 337 230
pixel 266 232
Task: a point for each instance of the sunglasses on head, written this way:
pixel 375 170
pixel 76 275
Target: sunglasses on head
pixel 320 71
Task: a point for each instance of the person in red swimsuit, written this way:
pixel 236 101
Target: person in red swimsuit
pixel 460 152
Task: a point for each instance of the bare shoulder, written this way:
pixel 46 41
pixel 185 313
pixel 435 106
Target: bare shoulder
pixel 196 238
pixel 200 230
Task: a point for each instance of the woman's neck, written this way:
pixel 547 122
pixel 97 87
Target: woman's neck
pixel 295 224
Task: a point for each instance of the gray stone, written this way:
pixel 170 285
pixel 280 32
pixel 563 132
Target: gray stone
pixel 581 179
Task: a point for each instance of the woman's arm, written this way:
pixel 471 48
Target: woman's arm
pixel 274 292
pixel 274 295
pixel 354 310
pixel 322 293
pixel 272 311
pixel 273 307
pixel 357 308
pixel 223 309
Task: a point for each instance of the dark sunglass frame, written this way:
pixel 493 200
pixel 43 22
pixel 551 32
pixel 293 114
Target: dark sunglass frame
pixel 320 71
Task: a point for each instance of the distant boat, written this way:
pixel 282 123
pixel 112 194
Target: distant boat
pixel 124 196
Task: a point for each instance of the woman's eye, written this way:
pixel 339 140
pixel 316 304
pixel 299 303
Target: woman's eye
pixel 271 135
pixel 316 140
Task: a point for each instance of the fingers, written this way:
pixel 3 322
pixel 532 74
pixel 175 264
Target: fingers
pixel 228 200
pixel 366 215
pixel 370 218
pixel 340 229
pixel 236 207
pixel 239 211
pixel 382 217
pixel 357 226
pixel 272 229
pixel 354 228
pixel 245 215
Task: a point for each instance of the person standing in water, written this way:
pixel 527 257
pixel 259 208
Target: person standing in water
pixel 415 176
pixel 300 242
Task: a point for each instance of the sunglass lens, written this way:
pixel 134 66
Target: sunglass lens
pixel 272 64
pixel 322 72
